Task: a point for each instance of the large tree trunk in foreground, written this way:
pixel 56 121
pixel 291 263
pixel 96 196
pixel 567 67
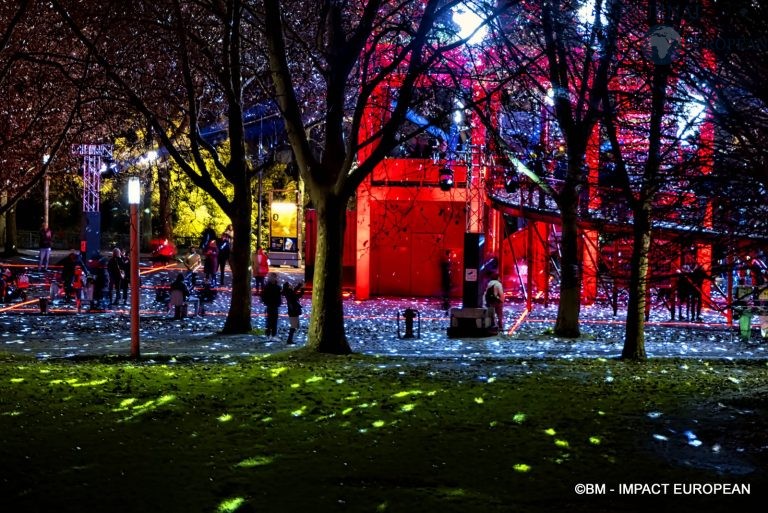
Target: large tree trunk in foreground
pixel 569 307
pixel 326 326
pixel 239 316
pixel 634 338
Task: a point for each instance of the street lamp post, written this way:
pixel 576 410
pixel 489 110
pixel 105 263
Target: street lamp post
pixel 46 189
pixel 134 198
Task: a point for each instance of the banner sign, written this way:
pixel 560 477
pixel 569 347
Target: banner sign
pixel 284 227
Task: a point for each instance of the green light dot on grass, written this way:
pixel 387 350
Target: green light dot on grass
pixel 165 399
pixel 347 411
pixel 295 385
pixel 562 443
pixel 494 423
pixel 432 393
pixel 314 379
pixel 299 412
pixel 382 507
pixel 127 402
pixel 267 419
pixel 521 467
pixel 378 423
pixel 407 407
pixel 550 432
pixel 45 371
pixel 406 393
pixel 256 461
pixel 339 381
pixel 594 440
pixel 479 400
pixel 224 418
pixel 230 505
pixel 601 413
pixel 491 379
pixel 277 371
pixel 519 418
pixel 14 413
pixel 17 380
pixel 94 383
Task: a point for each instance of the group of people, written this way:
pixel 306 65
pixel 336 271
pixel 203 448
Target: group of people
pixel 13 285
pixel 272 297
pixel 95 285
pixel 215 253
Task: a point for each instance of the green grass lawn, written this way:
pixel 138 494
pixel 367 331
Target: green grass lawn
pixel 365 434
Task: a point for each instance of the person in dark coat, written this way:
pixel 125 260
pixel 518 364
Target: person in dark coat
pixel 101 284
pixel 179 294
pixel 292 295
pixel 224 245
pixel 684 291
pixel 209 234
pixel 116 276
pixel 125 267
pixel 46 238
pixel 697 277
pixel 271 297
pixel 68 265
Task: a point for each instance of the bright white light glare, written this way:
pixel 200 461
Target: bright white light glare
pixel 470 24
pixel 691 117
pixel 46 158
pixel 458 115
pixel 586 14
pixel 134 190
pixel 550 99
pixel 151 156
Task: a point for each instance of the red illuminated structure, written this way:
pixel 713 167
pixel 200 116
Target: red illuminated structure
pixel 431 197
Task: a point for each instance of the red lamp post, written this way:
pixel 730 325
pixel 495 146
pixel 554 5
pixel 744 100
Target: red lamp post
pixel 134 197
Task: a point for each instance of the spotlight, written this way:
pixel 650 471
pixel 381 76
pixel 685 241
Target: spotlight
pixel 446 178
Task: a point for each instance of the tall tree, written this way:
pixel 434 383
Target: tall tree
pixel 331 60
pixel 182 66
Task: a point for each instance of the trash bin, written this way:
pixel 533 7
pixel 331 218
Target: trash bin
pixel 43 305
pixel 745 325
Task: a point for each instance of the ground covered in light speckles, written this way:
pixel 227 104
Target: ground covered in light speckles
pixel 216 423
pixel 362 433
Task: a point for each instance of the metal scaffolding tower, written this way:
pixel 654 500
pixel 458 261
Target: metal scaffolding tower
pixel 93 159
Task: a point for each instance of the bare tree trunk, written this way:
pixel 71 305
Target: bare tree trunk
pixel 569 307
pixel 239 315
pixel 10 232
pixel 164 209
pixel 326 326
pixel 634 337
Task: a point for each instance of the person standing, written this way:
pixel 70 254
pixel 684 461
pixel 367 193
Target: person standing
pixel 46 239
pixel 68 265
pixel 116 276
pixel 224 246
pixel 272 298
pixel 179 293
pixel 292 295
pixel 494 301
pixel 698 276
pixel 229 232
pixel 209 234
pixel 125 267
pixel 260 268
pixel 78 284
